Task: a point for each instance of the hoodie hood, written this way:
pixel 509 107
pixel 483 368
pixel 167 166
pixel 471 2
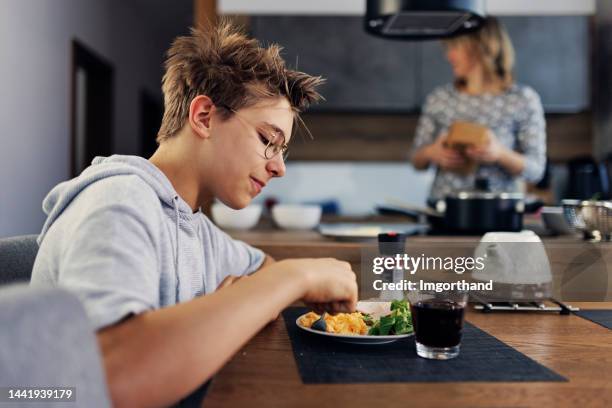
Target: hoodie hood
pixel 60 197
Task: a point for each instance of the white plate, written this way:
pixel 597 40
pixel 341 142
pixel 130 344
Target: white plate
pixel 367 230
pixel 358 338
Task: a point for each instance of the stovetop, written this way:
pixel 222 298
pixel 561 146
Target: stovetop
pixel 544 305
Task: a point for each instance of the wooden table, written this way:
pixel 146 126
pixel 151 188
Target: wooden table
pixel 264 373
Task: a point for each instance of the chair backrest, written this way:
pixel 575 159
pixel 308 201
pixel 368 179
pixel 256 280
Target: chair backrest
pixel 17 255
pixel 47 341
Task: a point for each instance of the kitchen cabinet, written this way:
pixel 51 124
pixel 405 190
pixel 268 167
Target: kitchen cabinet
pixel 366 73
pixel 363 72
pixel 552 56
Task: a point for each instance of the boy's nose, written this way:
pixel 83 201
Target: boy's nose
pixel 276 166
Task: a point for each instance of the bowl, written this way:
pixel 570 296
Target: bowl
pixel 226 217
pixel 295 216
pixel 592 217
pixel 554 220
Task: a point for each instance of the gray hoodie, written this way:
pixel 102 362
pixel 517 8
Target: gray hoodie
pixel 121 238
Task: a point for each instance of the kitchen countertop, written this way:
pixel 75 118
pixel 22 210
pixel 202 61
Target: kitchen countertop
pixel 579 268
pixel 282 244
pixel 266 234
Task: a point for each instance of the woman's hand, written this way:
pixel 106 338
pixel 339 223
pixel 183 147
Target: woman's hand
pixel 443 156
pixel 489 153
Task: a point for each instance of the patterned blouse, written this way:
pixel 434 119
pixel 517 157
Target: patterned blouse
pixel 516 118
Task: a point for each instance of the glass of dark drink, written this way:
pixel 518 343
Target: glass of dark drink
pixel 437 318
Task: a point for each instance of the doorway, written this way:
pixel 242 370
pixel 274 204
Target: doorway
pixel 92 107
pixel 151 114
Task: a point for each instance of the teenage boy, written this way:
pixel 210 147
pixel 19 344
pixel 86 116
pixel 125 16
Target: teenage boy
pixel 128 237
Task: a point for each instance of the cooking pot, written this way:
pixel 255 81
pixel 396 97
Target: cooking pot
pixel 470 212
pixel 478 211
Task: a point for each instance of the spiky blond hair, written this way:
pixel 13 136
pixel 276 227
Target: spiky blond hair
pixel 223 63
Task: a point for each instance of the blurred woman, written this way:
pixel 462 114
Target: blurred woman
pixel 484 93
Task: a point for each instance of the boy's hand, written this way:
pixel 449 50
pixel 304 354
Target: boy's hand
pixel 328 284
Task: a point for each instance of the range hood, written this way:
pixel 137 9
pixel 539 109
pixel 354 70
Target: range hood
pixel 423 19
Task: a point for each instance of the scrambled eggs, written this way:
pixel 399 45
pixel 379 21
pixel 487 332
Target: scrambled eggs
pixel 342 323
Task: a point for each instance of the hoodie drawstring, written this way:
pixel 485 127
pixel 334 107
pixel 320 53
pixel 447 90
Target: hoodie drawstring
pixel 176 254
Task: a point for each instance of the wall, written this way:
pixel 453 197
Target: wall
pixel 35 45
pixel 357 187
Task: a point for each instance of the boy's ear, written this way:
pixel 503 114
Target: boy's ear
pixel 200 114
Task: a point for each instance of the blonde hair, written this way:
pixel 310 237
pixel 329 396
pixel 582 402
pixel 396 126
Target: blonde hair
pixel 492 47
pixel 235 71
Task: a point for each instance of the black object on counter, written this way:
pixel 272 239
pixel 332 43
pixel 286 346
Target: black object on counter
pixel 587 179
pixel 479 211
pixel 483 358
pixel 471 212
pixel 391 243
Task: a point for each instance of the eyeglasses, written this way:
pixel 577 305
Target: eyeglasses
pixel 269 135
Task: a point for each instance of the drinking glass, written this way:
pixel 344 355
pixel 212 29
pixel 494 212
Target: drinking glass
pixel 437 318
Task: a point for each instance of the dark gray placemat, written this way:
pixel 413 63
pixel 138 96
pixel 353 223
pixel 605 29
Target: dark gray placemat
pixel 323 360
pixel 601 317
